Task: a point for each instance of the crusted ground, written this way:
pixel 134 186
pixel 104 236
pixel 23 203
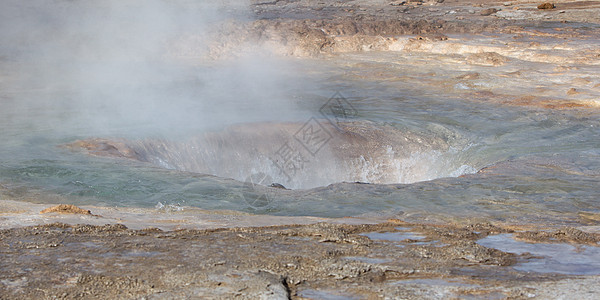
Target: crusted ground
pixel 324 260
pixel 75 261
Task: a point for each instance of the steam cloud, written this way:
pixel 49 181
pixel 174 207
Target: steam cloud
pixel 112 68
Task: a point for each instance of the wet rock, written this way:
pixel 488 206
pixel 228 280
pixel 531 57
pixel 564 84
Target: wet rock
pixel 66 209
pixel 546 5
pixel 432 37
pixel 581 81
pixel 473 252
pixel 105 229
pixel 104 147
pixel 397 3
pixel 572 91
pixel 329 233
pixel 97 285
pixel 589 216
pixel 277 287
pixel 486 59
pixel 488 11
pixel 278 186
pixel 565 68
pixel 469 76
pixel 551 103
pixel 569 234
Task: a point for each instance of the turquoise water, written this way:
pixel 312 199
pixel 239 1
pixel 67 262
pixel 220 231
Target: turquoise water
pixel 553 174
pixel 548 158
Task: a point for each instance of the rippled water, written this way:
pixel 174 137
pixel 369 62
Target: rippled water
pixel 549 258
pixel 549 157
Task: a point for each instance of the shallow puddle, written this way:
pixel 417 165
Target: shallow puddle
pixel 324 295
pixel 436 281
pixel 554 258
pixel 369 260
pixel 397 236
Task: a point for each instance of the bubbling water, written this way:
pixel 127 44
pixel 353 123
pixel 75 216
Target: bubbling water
pixel 299 156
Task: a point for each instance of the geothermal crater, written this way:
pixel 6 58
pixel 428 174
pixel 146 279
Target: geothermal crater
pixel 296 155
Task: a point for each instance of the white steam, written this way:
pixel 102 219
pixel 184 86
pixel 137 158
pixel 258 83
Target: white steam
pixel 112 67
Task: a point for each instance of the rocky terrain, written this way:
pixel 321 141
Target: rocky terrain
pixel 503 53
pixel 318 260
